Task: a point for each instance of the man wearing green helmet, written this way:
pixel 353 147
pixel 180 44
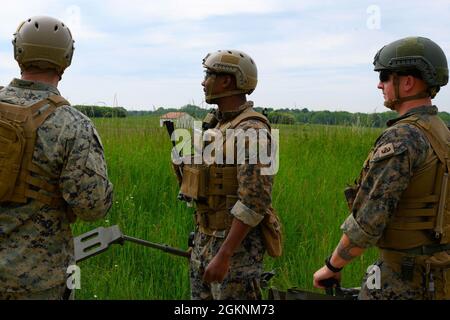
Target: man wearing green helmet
pixel 400 202
pixel 52 167
pixel 229 245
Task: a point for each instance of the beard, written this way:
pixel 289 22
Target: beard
pixel 390 104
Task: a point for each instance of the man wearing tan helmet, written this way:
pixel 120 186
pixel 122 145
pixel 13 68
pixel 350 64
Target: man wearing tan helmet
pixel 235 206
pixel 52 167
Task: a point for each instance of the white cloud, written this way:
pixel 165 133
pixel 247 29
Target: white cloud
pixel 180 36
pixel 170 10
pixel 80 29
pixel 14 12
pixel 315 51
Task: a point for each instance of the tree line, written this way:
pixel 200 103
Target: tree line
pixel 376 120
pixel 102 112
pixel 276 116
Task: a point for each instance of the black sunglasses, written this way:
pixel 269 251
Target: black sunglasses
pixel 385 75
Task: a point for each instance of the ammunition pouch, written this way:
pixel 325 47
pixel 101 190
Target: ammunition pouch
pixel 215 191
pixel 431 272
pixel 193 184
pixel 272 233
pixel 201 182
pixel 213 223
pixel 409 267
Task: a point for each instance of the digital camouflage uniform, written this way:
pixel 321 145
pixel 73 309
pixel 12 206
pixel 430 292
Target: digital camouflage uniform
pixel 36 244
pixel 398 152
pixel 254 197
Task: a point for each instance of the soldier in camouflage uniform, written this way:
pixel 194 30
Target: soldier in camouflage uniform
pixel 400 201
pixel 36 244
pixel 227 257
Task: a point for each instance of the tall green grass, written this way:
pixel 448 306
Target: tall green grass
pixel 316 163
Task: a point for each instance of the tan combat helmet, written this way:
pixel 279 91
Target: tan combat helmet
pixel 234 62
pixel 43 42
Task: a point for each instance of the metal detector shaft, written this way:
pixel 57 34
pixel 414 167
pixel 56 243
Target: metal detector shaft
pixel 163 247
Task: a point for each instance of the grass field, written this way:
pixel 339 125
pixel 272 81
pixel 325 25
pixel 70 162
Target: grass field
pixel 316 163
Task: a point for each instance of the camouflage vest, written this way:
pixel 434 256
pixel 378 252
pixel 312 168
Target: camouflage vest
pixel 20 178
pixel 214 187
pixel 424 209
pixel 422 216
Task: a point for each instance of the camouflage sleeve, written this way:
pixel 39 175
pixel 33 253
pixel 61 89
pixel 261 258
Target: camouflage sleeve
pixel 398 151
pixel 254 188
pixel 84 179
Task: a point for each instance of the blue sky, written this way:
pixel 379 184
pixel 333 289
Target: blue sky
pixel 313 54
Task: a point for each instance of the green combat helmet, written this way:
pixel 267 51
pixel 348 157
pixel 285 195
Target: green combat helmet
pixel 234 62
pixel 413 56
pixel 43 42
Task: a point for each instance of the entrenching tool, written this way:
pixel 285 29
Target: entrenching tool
pixel 98 240
pixel 333 291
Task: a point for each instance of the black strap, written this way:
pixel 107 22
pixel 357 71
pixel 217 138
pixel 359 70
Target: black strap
pixel 330 266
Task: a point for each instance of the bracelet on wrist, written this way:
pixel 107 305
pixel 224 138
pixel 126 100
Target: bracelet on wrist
pixel 330 266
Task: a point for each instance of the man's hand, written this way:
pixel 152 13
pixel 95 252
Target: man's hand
pixel 217 269
pixel 323 274
pixel 345 252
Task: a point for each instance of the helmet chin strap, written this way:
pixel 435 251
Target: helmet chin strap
pixel 210 97
pixel 397 100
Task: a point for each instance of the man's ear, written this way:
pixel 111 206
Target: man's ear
pixel 228 82
pixel 409 83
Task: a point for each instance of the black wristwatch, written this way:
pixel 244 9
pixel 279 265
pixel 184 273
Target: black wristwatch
pixel 331 267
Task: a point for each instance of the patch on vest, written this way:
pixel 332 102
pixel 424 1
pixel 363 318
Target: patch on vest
pixel 385 151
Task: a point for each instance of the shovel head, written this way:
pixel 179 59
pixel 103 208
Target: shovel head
pixel 96 241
